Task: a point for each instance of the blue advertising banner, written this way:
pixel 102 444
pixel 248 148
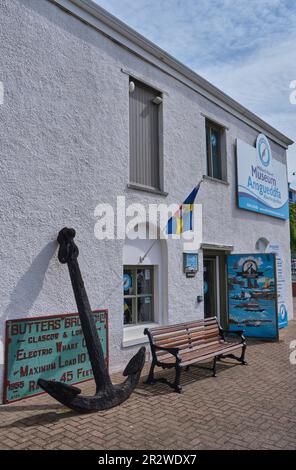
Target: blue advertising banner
pixel 283 286
pixel 252 295
pixel 51 347
pixel 262 180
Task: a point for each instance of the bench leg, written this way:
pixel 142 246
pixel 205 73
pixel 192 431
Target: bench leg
pixel 242 358
pixel 177 387
pixel 151 379
pixel 214 366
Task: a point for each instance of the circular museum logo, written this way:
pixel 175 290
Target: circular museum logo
pixel 263 149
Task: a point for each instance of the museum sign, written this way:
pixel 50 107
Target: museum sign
pixel 262 184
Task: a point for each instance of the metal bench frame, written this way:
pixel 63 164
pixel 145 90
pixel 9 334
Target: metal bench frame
pixel 177 365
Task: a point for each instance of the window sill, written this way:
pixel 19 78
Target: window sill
pixel 134 335
pixel 215 180
pixel 148 189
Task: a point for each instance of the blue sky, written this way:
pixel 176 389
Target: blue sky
pixel 245 47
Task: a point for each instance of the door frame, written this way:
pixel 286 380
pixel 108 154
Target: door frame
pixel 221 283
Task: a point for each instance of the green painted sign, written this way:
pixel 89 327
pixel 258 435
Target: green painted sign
pixel 51 347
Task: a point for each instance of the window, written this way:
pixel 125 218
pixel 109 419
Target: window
pixel 144 118
pixel 138 296
pixel 214 136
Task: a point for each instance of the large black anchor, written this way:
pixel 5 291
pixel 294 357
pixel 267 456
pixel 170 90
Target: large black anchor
pixel 107 395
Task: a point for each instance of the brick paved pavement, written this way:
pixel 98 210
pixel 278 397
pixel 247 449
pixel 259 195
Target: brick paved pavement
pixel 244 407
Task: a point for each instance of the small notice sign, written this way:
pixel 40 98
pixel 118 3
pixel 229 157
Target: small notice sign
pixel 51 347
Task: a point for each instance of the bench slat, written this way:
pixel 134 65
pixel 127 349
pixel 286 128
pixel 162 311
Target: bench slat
pixel 199 347
pixel 199 356
pixel 174 343
pixel 212 334
pixel 210 355
pixel 185 349
pixel 162 338
pixel 171 328
pixel 192 332
pixel 201 334
pixel 179 343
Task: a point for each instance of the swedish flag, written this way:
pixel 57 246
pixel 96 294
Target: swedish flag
pixel 181 221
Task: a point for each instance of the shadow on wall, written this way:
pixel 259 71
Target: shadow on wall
pixel 30 284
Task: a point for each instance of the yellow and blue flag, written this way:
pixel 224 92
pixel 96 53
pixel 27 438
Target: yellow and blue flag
pixel 181 221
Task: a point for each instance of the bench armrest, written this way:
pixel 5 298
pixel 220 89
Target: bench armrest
pixel 239 333
pixel 173 351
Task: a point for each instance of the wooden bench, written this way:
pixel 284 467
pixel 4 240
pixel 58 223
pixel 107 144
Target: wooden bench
pixel 186 344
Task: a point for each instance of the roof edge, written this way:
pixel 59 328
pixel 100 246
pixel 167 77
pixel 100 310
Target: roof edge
pixel 77 7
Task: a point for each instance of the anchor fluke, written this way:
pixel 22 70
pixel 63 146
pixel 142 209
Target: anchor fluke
pixel 103 399
pixel 59 388
pixel 136 363
pixel 107 395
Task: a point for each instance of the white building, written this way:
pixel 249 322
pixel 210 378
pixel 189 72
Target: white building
pixel 75 133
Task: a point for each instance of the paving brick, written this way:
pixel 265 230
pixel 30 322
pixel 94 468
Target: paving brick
pixel 244 407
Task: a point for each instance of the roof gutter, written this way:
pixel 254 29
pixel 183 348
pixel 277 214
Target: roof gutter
pixel 94 15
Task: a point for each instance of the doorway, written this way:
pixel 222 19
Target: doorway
pixel 215 300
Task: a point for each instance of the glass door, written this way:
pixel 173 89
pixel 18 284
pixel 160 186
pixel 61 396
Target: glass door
pixel 211 287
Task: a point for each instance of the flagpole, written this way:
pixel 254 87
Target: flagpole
pixel 142 258
pixel 149 249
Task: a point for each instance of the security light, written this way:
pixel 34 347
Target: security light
pixel 157 100
pixel 132 87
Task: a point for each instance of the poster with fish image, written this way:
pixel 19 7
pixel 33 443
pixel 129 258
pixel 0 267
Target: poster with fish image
pixel 252 295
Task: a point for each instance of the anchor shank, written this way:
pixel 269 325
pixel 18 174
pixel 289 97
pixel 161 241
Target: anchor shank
pixel 68 254
pixel 93 343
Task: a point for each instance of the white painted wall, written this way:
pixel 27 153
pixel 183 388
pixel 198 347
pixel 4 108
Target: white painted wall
pixel 64 133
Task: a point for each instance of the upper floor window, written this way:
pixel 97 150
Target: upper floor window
pixel 144 121
pixel 214 136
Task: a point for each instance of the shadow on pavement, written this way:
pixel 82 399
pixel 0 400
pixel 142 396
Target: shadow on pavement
pixel 194 374
pixel 40 419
